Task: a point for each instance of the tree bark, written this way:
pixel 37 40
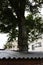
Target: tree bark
pixel 19 8
pixel 22 37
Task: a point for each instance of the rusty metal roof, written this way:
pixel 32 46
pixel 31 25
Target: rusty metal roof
pixel 14 54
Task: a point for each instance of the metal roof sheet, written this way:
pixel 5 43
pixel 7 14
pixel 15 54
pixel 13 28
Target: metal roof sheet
pixel 13 54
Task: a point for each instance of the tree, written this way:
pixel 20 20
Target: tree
pixel 11 45
pixel 8 46
pixel 34 27
pixel 12 16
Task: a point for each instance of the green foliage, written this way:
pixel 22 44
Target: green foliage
pixel 8 46
pixel 34 27
pixel 12 11
pixel 8 21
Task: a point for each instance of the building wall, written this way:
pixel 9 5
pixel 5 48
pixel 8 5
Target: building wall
pixel 21 62
pixel 36 45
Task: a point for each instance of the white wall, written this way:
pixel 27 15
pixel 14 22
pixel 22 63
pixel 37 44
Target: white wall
pixel 36 48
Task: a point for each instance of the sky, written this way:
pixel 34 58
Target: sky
pixel 3 37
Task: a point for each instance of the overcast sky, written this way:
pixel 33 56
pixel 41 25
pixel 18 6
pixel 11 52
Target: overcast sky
pixel 3 37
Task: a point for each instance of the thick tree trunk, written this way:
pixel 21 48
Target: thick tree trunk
pixel 22 37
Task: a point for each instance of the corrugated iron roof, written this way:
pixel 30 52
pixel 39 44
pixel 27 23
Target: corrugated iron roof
pixel 15 54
